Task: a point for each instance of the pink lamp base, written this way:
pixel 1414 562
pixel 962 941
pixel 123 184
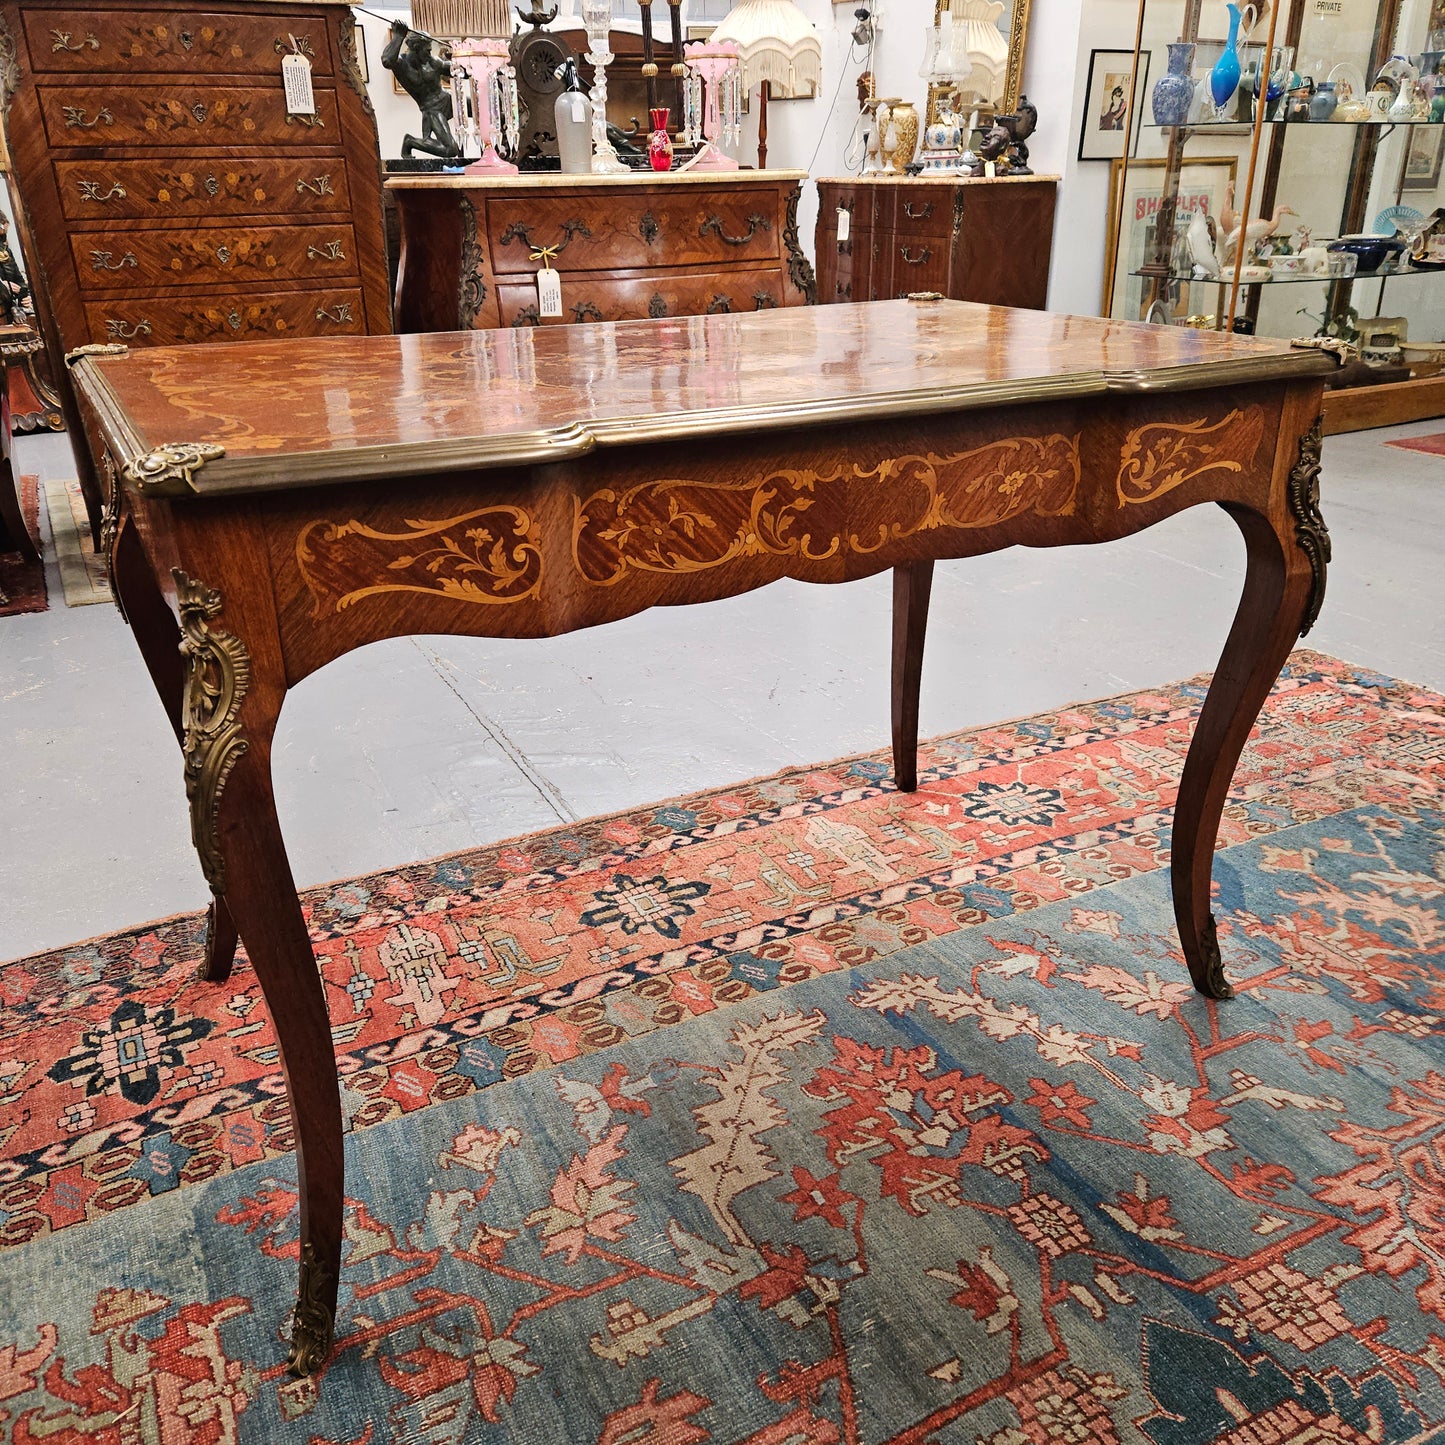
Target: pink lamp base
pixel 489 163
pixel 713 157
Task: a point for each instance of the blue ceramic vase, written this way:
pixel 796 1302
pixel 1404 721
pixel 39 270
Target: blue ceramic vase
pixel 1224 78
pixel 1174 92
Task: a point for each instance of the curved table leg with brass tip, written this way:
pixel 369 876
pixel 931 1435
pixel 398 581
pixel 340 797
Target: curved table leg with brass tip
pixel 1287 552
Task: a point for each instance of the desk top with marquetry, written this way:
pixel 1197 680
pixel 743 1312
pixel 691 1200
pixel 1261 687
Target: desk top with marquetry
pixel 274 505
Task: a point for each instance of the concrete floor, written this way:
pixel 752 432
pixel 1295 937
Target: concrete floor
pixel 416 747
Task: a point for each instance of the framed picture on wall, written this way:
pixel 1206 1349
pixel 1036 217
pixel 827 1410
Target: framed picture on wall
pixel 1422 158
pixel 1101 133
pixel 1204 186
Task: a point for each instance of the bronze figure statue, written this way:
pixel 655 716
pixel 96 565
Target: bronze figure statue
pixel 408 55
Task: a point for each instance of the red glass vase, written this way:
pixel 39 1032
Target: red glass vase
pixel 659 143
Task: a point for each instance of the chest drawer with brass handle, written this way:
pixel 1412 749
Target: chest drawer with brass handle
pixel 183 114
pixel 149 42
pixel 227 186
pixel 242 315
pixel 120 260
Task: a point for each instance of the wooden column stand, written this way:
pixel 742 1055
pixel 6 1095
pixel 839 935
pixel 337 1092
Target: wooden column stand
pixel 679 65
pixel 764 91
pixel 649 61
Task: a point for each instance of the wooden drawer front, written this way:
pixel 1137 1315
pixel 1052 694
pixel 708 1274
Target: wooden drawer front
pixel 106 190
pixel 182 115
pixel 142 260
pixel 587 298
pixel 904 264
pixel 919 210
pixel 684 227
pixel 96 42
pixel 254 316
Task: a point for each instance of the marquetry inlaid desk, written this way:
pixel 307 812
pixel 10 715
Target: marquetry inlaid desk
pixel 273 505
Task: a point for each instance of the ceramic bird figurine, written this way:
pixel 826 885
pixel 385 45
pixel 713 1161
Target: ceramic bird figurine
pixel 1252 234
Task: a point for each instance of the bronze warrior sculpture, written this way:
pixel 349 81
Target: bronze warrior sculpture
pixel 408 55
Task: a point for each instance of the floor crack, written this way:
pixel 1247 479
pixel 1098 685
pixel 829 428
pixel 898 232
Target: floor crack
pixel 545 790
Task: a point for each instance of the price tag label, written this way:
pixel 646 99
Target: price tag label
pixel 296 77
pixel 845 224
pixel 549 292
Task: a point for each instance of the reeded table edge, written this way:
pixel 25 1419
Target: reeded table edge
pixel 284 471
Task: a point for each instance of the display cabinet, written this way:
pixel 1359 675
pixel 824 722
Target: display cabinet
pixel 1252 207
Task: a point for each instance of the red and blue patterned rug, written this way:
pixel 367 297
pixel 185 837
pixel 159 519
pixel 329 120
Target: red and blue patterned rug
pixel 796 1113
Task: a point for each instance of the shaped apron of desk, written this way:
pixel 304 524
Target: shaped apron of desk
pixel 273 505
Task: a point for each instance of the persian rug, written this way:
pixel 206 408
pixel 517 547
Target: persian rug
pixel 1432 445
pixel 84 572
pixel 792 1113
pixel 22 583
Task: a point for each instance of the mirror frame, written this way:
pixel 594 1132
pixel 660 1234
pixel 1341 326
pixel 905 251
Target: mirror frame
pixel 1014 75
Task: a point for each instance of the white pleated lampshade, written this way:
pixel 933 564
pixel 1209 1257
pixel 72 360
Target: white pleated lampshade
pixel 776 42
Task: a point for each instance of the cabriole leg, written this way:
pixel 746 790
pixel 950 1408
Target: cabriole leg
pixel 1283 588
pixel 232 701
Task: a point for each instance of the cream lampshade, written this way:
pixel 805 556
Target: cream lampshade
pixel 778 50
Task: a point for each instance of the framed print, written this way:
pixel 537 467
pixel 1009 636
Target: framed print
pixel 1423 157
pixel 1204 185
pixel 1101 134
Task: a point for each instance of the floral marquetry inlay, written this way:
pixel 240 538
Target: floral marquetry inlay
pixel 1163 455
pixel 679 525
pixel 488 556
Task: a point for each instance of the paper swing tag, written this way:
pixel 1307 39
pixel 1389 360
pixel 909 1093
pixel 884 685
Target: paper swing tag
pixel 845 224
pixel 296 77
pixel 549 283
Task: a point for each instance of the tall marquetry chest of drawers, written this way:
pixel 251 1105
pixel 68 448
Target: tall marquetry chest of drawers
pixel 171 196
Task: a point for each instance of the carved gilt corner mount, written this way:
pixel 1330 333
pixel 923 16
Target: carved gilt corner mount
pixel 218 674
pixel 96 348
pixel 1309 523
pixel 169 470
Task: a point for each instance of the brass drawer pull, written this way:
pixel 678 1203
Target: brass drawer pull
pixel 585 311
pixel 100 261
pixel 719 304
pixel 60 40
pixel 90 191
pixel 519 231
pixel 764 300
pixel 331 251
pixel 755 224
pixel 75 117
pixel 915 260
pixel 341 316
pixel 307 120
pixel 223 255
pixel 527 316
pixel 321 186
pixel 648 228
pixel 126 330
pixel 913 215
pixel 303 44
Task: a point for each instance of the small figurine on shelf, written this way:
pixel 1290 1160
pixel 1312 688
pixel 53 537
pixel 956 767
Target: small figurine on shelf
pixel 409 57
pixel 993 152
pixel 1020 126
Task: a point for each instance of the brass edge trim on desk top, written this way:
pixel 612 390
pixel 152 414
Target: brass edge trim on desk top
pixel 557 180
pixel 881 180
pixel 229 475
